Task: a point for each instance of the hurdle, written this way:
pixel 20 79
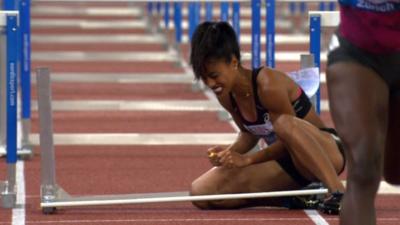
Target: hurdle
pixel 317 20
pixel 24 146
pixel 8 22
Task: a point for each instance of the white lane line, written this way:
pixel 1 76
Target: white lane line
pixel 95 11
pixel 284 56
pixel 244 23
pixel 133 105
pixel 120 11
pixel 316 217
pixel 88 24
pixel 127 78
pixel 74 56
pixel 18 213
pixel 138 105
pixel 66 56
pixel 149 221
pixel 188 220
pixel 140 139
pixel 95 39
pixel 119 78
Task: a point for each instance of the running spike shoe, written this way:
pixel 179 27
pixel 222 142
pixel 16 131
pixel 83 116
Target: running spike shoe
pixel 331 205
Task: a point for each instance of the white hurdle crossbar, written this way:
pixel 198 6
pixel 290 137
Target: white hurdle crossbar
pixel 53 196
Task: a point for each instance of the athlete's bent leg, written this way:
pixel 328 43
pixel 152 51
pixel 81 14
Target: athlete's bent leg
pixel 358 100
pixel 261 177
pixel 314 152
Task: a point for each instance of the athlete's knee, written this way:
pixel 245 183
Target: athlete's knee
pixel 202 204
pixel 365 167
pixel 364 176
pixel 203 187
pixel 199 189
pixel 284 125
pixel 333 73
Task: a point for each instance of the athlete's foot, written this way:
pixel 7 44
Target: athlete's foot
pixel 303 202
pixel 331 205
pixel 307 201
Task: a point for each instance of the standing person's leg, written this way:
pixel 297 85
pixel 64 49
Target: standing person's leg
pixel 392 152
pixel 358 100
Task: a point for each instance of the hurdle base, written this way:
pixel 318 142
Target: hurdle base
pixel 8 195
pixel 26 152
pixel 51 193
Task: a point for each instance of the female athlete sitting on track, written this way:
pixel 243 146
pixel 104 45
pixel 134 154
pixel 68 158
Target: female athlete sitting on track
pixel 264 103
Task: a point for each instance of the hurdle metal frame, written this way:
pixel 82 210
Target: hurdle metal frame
pixel 9 23
pixel 53 195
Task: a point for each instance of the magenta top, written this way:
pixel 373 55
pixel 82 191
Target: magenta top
pixel 372 25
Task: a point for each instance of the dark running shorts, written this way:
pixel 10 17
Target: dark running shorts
pixel 386 65
pixel 288 166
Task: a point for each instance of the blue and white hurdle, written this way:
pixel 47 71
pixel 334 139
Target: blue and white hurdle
pixel 24 146
pixel 15 65
pixel 317 20
pixel 9 24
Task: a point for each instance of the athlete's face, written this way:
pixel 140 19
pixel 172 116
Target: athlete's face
pixel 219 76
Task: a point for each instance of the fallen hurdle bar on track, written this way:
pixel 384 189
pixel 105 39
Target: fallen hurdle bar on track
pixel 68 201
pixel 53 196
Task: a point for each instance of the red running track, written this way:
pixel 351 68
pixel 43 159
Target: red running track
pixel 87 170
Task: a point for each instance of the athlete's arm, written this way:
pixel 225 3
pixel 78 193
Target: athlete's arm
pixel 274 96
pixel 245 141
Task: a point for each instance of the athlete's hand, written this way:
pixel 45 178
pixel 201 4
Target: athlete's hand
pixel 232 159
pixel 213 155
